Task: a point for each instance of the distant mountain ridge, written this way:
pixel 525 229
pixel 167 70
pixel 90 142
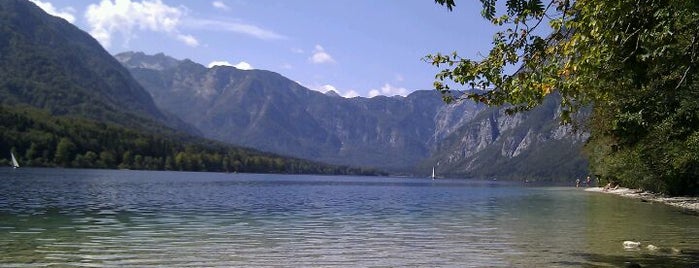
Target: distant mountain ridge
pixel 264 110
pixel 65 102
pixel 267 111
pixel 49 64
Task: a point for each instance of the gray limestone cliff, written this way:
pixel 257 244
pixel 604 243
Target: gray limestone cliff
pixel 266 111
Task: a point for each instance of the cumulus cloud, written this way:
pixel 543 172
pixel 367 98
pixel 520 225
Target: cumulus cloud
pixel 243 66
pixel 236 27
pixel 219 63
pixel 388 90
pixel 125 16
pixel 240 65
pixel 327 88
pixel 220 5
pixel 188 40
pixel 65 13
pixel 350 94
pixel 320 56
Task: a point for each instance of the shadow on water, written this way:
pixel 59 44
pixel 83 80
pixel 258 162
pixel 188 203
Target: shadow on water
pixel 689 212
pixel 686 259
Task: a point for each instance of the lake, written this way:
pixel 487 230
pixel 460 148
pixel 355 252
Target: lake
pixel 108 218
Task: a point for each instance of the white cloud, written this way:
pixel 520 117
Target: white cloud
pixel 236 27
pixel 350 94
pixel 220 5
pixel 65 13
pixel 327 87
pixel 240 65
pixel 320 56
pixel 125 16
pixel 243 66
pixel 388 90
pixel 219 63
pixel 188 39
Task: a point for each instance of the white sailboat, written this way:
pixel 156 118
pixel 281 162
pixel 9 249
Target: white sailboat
pixel 14 161
pixel 433 175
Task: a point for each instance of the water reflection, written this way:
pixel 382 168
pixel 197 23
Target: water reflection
pixel 137 219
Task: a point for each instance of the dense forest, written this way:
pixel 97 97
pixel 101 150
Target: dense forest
pixel 41 140
pixel 633 62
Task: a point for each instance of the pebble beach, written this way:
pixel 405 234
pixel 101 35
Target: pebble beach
pixel 690 203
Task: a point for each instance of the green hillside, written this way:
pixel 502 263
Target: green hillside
pixel 49 63
pixel 38 138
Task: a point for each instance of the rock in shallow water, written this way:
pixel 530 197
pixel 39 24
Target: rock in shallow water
pixel 631 244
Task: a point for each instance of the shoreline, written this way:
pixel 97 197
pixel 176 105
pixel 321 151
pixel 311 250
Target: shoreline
pixel 690 203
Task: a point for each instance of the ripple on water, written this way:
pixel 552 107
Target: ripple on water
pixel 206 219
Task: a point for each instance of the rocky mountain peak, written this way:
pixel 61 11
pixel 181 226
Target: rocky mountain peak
pixel 140 60
pixel 267 111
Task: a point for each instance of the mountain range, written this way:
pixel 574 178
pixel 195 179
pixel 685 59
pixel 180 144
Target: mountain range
pixel 65 101
pixel 51 70
pixel 264 110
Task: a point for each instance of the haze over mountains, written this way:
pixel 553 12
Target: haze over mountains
pixel 264 110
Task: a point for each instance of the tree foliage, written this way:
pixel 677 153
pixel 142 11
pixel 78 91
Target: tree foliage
pixel 634 62
pixel 48 63
pixel 40 139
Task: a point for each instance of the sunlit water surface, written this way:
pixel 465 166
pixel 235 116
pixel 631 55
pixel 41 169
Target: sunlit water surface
pixel 102 218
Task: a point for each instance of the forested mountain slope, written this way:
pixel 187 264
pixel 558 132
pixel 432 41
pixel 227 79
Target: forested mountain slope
pixel 64 101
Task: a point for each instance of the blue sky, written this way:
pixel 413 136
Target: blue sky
pixel 356 47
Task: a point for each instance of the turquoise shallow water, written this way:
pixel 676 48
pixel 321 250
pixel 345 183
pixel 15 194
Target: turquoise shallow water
pixel 108 218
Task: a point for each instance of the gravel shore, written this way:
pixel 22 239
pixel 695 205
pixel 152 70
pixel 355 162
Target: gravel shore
pixel 688 203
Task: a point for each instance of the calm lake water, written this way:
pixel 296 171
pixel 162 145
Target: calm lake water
pixel 103 218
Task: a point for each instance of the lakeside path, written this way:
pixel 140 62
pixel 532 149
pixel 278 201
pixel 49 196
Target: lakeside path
pixel 685 202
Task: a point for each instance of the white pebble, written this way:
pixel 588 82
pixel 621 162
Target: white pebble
pixel 631 244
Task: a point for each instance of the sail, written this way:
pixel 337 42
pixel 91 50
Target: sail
pixel 14 161
pixel 433 175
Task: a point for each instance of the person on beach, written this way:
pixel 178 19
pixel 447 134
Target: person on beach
pixel 587 181
pixel 577 183
pixel 606 187
pixel 612 185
